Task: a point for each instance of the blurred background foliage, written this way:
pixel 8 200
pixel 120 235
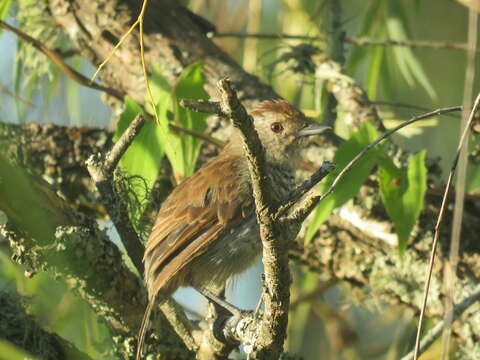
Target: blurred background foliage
pixel 326 321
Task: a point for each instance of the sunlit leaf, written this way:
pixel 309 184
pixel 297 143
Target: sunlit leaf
pixel 181 150
pixel 403 193
pixel 143 158
pixel 351 182
pixel 190 85
pixel 374 71
pixel 4 9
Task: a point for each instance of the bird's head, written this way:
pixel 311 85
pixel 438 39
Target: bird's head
pixel 282 130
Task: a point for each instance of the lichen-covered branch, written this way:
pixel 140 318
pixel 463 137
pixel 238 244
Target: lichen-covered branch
pixel 101 168
pixel 46 234
pixel 271 332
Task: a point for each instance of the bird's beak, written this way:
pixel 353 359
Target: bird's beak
pixel 313 129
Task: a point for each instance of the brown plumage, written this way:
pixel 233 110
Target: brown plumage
pixel 206 230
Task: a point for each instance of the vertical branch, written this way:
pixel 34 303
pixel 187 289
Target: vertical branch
pixel 272 330
pixel 451 265
pixel 101 171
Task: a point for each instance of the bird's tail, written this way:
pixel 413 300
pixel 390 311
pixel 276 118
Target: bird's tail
pixel 144 327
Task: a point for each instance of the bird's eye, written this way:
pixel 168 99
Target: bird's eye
pixel 276 127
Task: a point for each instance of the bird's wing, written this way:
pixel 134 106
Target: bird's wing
pixel 214 199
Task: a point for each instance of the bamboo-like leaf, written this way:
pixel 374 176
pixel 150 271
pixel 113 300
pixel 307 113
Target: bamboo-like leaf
pixel 350 184
pixel 374 71
pixel 408 64
pixel 359 53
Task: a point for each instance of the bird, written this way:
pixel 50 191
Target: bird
pixel 206 230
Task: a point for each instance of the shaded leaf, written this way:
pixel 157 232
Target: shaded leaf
pixel 408 64
pixel 359 53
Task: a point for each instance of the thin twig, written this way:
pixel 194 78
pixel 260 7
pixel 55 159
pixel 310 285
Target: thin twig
pixel 144 67
pixel 435 332
pixel 312 201
pixel 362 41
pixel 326 168
pixel 117 45
pixel 439 222
pixel 57 60
pixel 84 81
pixel 113 156
pixel 450 274
pixel 15 97
pixel 201 136
pixel 407 106
pixel 204 106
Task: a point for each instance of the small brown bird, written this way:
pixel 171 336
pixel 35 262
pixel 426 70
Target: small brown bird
pixel 206 230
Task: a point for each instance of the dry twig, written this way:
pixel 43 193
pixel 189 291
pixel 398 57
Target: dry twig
pixel 439 223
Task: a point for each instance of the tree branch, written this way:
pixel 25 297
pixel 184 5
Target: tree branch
pixel 271 331
pixel 53 237
pixel 101 171
pixel 57 60
pixel 358 41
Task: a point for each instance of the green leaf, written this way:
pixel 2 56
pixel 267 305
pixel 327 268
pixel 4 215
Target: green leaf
pixel 374 71
pixel 351 182
pixel 359 53
pixel 190 85
pixel 300 315
pixel 143 158
pixel 408 64
pixel 403 193
pixel 4 8
pixel 8 351
pixel 182 150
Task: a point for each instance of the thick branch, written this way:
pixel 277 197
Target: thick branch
pixel 46 234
